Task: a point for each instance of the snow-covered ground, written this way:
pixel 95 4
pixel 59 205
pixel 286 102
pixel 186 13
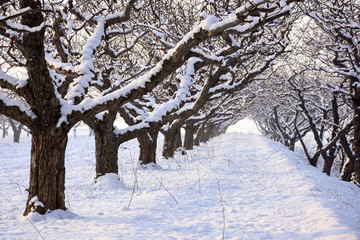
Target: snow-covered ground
pixel 241 185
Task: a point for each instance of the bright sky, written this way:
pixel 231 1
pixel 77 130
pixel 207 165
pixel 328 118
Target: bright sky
pixel 246 126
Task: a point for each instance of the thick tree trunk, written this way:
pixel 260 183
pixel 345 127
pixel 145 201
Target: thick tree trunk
pixel 106 143
pixel 328 162
pixel 47 172
pixel 347 171
pixel 178 140
pixel 172 141
pixel 106 151
pixel 148 144
pixel 189 136
pixel 47 166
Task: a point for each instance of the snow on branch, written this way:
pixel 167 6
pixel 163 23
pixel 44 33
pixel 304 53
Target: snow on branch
pixel 10 82
pixel 162 110
pixel 15 109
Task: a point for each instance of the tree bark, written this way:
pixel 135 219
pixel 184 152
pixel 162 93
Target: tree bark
pixel 348 167
pixel 47 172
pixel 328 162
pixel 189 136
pixel 106 143
pixel 172 141
pixel 106 150
pixel 148 144
pixel 347 171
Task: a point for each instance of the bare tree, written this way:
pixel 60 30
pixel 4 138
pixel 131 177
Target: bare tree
pixel 4 125
pixel 59 48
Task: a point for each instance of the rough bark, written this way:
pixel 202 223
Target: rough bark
pixel 106 143
pixel 47 172
pixel 148 144
pixel 106 149
pixel 347 171
pixel 172 141
pixel 47 168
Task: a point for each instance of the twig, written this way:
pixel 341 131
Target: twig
pixel 18 185
pixel 27 219
pixel 134 171
pixel 132 195
pixel 167 191
pixel 223 211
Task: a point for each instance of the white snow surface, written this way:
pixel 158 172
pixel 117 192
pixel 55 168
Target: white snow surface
pixel 267 192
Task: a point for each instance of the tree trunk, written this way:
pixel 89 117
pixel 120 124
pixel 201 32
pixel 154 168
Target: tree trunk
pixel 47 172
pixel 172 141
pixel 199 136
pixel 16 129
pixel 148 144
pixel 106 151
pixel 178 140
pixel 330 157
pixel 347 171
pixel 106 143
pixel 189 136
pixel 292 144
pixel 17 135
pixel 328 162
pixel 348 167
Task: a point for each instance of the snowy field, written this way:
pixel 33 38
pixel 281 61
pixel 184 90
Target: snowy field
pixel 240 186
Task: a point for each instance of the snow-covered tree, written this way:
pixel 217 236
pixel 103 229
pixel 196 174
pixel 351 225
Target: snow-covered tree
pixel 339 55
pixel 59 46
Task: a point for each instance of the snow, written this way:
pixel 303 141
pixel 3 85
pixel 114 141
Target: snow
pixel 245 126
pixel 22 107
pixel 267 192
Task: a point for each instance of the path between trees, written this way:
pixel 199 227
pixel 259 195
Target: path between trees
pixel 262 190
